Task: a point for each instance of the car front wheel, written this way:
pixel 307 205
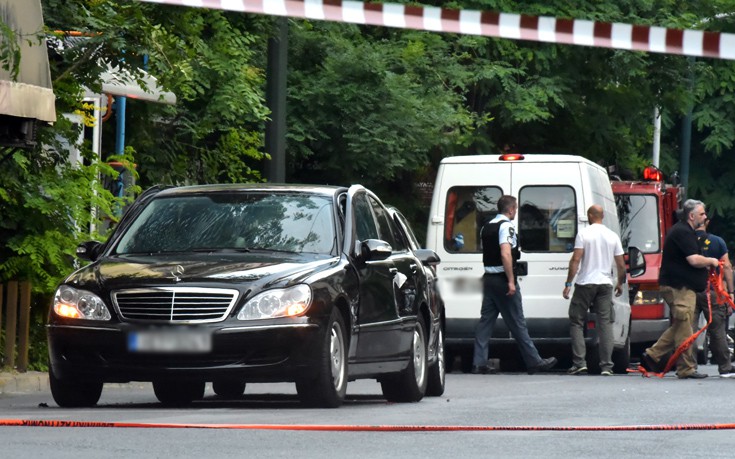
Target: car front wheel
pixel 410 384
pixel 71 393
pixel 329 387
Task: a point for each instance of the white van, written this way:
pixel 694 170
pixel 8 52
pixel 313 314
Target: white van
pixel 554 193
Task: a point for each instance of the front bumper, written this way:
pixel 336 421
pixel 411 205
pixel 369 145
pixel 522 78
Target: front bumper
pixel 267 352
pixel 647 330
pixel 544 332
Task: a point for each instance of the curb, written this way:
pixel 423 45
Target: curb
pixel 12 382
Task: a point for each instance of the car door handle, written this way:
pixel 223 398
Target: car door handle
pixel 414 267
pixel 393 271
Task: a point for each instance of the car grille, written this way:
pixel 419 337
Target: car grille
pixel 175 304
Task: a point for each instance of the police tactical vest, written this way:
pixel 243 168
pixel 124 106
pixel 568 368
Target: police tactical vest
pixel 491 247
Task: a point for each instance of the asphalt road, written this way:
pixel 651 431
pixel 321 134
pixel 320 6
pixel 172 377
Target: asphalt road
pixel 472 419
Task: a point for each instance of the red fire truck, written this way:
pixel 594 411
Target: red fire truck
pixel 646 210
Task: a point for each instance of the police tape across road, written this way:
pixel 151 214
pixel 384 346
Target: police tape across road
pixel 686 42
pixel 354 428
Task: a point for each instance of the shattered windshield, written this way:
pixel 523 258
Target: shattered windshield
pixel 233 221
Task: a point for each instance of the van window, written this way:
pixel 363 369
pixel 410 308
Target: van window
pixel 467 209
pixel 639 221
pixel 547 218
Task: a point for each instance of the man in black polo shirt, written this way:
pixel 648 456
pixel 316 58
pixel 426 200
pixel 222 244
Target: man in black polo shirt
pixel 683 274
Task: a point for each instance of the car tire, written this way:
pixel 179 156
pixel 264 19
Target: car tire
pixel 437 371
pixel 329 387
pixel 178 393
pixel 621 358
pixel 70 393
pixel 410 384
pixel 228 388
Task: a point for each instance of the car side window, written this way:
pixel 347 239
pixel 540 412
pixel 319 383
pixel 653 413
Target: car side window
pixel 341 208
pixel 365 227
pixel 405 229
pixel 386 228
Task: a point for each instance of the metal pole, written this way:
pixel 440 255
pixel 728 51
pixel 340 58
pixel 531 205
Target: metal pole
pixel 275 132
pixel 686 133
pixel 120 103
pixel 656 135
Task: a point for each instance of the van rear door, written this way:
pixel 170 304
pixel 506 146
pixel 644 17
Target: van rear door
pixel 550 201
pixel 467 197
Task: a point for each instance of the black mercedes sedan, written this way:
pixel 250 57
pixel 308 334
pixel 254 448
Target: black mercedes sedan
pixel 237 284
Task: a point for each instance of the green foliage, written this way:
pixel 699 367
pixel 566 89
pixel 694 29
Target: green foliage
pixel 47 206
pixel 367 109
pixel 210 60
pixel 9 51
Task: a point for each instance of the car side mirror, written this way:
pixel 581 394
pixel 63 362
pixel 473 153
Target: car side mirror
pixel 427 257
pixel 636 262
pixel 89 250
pixel 375 250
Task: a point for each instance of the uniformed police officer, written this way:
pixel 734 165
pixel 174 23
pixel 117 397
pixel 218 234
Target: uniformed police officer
pixel 501 292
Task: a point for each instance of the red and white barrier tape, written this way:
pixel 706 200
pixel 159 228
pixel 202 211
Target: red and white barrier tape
pixel 355 428
pixel 490 24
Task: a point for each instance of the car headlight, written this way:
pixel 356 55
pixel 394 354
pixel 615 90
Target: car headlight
pixel 79 304
pixel 282 302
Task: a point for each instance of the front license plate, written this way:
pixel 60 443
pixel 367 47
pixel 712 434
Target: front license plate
pixel 169 341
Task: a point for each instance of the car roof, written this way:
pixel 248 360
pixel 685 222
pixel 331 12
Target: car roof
pixel 325 190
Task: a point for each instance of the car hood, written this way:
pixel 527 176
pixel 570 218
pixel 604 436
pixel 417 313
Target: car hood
pixel 129 272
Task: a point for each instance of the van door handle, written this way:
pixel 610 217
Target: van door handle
pixel 393 271
pixel 414 267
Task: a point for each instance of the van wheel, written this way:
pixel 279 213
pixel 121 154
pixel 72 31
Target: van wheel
pixel 592 356
pixel 228 388
pixel 465 360
pixel 621 358
pixel 178 393
pixel 703 353
pixel 410 384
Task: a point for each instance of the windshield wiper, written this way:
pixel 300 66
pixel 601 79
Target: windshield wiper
pixel 222 250
pixel 268 249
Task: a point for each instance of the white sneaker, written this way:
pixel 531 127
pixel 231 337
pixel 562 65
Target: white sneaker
pixel 728 374
pixel 610 373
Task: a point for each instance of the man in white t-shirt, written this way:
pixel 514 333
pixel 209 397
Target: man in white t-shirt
pixel 597 249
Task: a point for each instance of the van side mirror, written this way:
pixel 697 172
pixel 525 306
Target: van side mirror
pixel 636 262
